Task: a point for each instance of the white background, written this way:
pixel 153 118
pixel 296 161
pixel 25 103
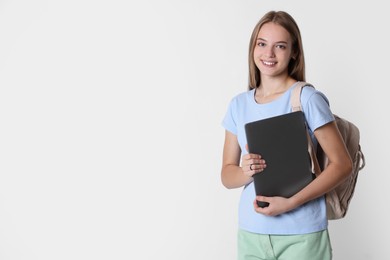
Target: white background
pixel 110 123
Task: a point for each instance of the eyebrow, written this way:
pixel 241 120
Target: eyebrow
pixel 261 39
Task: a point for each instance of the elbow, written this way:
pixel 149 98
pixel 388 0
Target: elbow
pixel 227 180
pixel 348 168
pixel 226 186
pixel 226 183
pixel 230 187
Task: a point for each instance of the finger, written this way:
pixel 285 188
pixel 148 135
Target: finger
pixel 249 156
pixel 263 198
pixel 258 209
pixel 262 209
pixel 257 167
pixel 253 156
pixel 249 171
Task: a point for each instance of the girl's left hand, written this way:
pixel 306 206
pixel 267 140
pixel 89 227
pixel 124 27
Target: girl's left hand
pixel 277 205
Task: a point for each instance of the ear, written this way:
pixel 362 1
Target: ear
pixel 294 55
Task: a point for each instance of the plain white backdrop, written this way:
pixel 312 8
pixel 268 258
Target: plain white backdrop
pixel 110 123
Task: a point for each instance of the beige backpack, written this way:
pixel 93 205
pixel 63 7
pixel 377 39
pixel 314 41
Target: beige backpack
pixel 338 199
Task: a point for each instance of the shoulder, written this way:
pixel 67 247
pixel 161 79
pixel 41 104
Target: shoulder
pixel 243 95
pixel 232 116
pixel 313 95
pixel 242 98
pixel 316 107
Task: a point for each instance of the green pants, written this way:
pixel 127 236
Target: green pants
pixel 313 246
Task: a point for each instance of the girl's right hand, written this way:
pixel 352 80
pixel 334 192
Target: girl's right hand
pixel 252 164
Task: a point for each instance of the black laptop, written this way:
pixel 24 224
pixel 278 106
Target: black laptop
pixel 282 142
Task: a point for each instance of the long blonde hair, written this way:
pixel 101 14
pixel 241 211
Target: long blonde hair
pixel 296 67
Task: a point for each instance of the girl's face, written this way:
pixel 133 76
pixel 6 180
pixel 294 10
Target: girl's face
pixel 273 50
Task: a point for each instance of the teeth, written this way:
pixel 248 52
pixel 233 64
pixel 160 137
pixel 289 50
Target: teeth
pixel 269 63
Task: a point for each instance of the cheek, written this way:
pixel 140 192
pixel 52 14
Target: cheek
pixel 285 56
pixel 256 54
pixel 256 59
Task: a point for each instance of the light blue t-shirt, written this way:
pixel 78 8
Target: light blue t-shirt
pixel 308 218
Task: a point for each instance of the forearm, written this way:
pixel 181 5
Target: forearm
pixel 338 169
pixel 232 177
pixel 331 177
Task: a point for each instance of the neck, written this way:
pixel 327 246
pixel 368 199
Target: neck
pixel 269 87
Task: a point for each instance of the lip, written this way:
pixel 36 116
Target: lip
pixel 269 63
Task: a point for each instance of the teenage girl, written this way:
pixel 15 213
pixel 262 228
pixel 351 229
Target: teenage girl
pixel 292 228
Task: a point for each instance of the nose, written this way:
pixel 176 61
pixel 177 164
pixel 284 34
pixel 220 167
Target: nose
pixel 270 52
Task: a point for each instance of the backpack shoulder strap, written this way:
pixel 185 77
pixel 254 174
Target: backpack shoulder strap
pixel 296 95
pixel 295 100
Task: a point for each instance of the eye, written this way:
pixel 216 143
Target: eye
pixel 261 44
pixel 281 46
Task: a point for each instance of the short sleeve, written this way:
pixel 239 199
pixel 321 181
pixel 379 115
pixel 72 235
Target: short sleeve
pixel 316 108
pixel 229 121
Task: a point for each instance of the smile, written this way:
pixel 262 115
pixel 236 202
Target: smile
pixel 268 63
